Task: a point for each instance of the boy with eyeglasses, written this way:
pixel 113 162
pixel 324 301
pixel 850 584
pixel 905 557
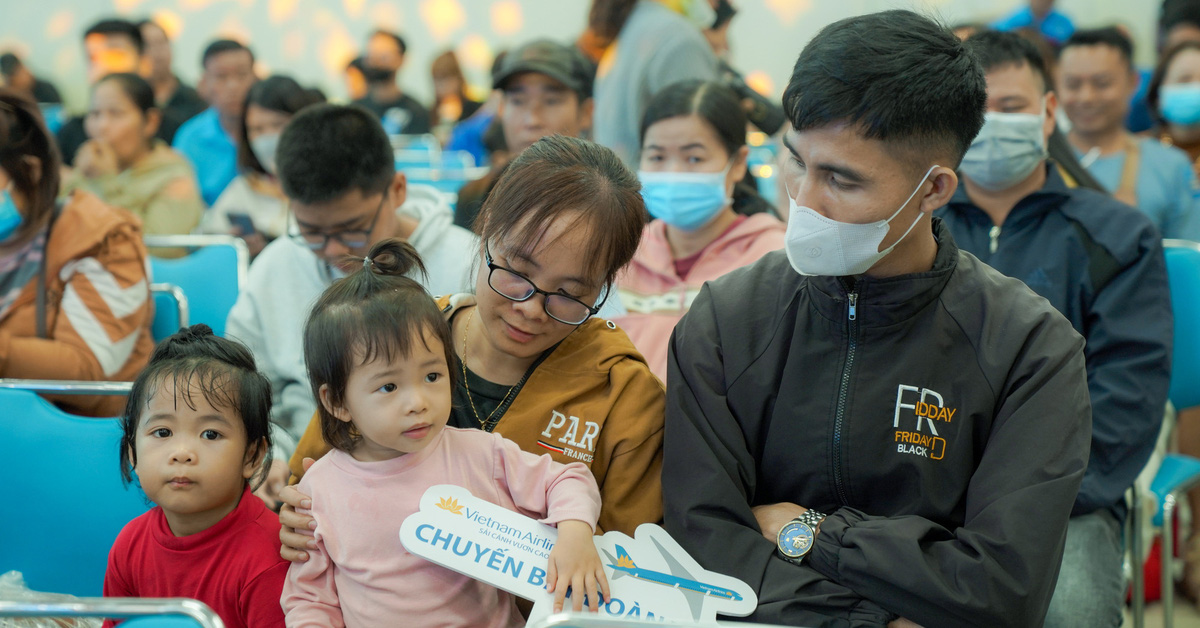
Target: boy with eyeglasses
pixel 336 168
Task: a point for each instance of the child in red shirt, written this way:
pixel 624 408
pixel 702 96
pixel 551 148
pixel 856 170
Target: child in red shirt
pixel 196 432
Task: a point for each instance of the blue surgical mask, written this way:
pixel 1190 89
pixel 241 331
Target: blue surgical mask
pixel 685 200
pixel 1009 147
pixel 1180 104
pixel 10 218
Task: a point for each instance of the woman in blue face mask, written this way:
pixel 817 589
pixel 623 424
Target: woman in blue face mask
pixel 1174 98
pixel 692 162
pixel 252 206
pixel 74 296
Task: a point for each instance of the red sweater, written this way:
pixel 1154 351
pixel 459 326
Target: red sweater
pixel 234 566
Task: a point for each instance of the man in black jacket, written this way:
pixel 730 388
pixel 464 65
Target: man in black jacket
pixel 1100 263
pixel 872 426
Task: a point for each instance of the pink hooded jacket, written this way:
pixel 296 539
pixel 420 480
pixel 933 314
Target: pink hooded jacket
pixel 655 298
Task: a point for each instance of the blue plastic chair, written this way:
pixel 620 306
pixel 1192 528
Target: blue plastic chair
pixel 1178 472
pixel 410 161
pixel 449 180
pixel 170 310
pixel 210 276
pixel 425 142
pixel 63 495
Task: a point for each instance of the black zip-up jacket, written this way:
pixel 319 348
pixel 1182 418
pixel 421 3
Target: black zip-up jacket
pixel 940 419
pixel 1100 263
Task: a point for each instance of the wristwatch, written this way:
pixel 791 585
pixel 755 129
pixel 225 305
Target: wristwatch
pixel 796 538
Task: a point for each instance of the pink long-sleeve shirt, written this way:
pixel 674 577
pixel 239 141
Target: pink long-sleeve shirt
pixel 360 574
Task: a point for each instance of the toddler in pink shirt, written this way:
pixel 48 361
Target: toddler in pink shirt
pixel 380 358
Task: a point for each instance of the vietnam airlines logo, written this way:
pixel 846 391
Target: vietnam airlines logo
pixel 450 505
pixel 924 410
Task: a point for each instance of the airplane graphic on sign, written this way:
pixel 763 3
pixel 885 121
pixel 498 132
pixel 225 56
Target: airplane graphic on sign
pixel 679 578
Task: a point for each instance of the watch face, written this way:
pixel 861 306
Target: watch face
pixel 795 539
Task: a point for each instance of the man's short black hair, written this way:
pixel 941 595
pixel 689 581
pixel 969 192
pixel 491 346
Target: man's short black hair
pixel 222 46
pixel 995 49
pixel 124 28
pixel 1110 36
pixel 327 151
pixel 1178 13
pixel 10 64
pixel 394 37
pixel 898 76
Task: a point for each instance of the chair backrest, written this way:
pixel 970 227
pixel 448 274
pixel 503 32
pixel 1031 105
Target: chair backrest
pixel 170 310
pixel 63 495
pixel 455 160
pixel 210 276
pixel 1183 272
pixel 444 180
pixel 425 142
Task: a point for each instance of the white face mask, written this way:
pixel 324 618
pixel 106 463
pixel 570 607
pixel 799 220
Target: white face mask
pixel 1007 150
pixel 264 147
pixel 817 245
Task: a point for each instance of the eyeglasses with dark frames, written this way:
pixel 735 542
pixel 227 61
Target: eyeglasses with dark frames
pixel 351 238
pixel 514 286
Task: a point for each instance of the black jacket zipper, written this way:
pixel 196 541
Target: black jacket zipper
pixel 851 348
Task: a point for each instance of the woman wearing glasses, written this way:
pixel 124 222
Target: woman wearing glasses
pixel 536 366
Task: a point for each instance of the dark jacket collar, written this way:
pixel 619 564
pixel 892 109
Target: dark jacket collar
pixel 1053 193
pixel 887 300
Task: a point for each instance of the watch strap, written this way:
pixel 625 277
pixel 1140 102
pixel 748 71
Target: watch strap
pixel 812 518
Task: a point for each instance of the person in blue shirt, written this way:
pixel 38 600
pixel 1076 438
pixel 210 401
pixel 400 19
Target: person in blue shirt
pixel 1040 16
pixel 208 138
pixel 1100 263
pixel 1095 80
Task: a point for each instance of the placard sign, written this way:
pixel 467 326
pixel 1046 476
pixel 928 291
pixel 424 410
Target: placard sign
pixel 649 576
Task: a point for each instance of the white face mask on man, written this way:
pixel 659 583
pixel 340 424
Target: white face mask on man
pixel 1007 150
pixel 817 245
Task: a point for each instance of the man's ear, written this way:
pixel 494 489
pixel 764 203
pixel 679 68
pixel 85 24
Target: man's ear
pixel 339 412
pixel 943 182
pixel 399 188
pixel 1051 120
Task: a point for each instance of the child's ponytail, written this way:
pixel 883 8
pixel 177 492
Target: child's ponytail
pixel 392 257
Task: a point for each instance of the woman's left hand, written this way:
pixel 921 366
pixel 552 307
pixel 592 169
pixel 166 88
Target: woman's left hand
pixel 575 564
pixel 277 478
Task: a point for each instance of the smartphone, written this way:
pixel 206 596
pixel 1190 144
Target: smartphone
pixel 242 222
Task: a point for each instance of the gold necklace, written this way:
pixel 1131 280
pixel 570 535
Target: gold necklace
pixel 466 383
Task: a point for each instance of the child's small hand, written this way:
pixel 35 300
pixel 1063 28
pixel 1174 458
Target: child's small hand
pixel 574 563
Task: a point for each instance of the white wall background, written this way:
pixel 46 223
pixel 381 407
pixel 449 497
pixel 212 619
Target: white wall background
pixel 313 39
